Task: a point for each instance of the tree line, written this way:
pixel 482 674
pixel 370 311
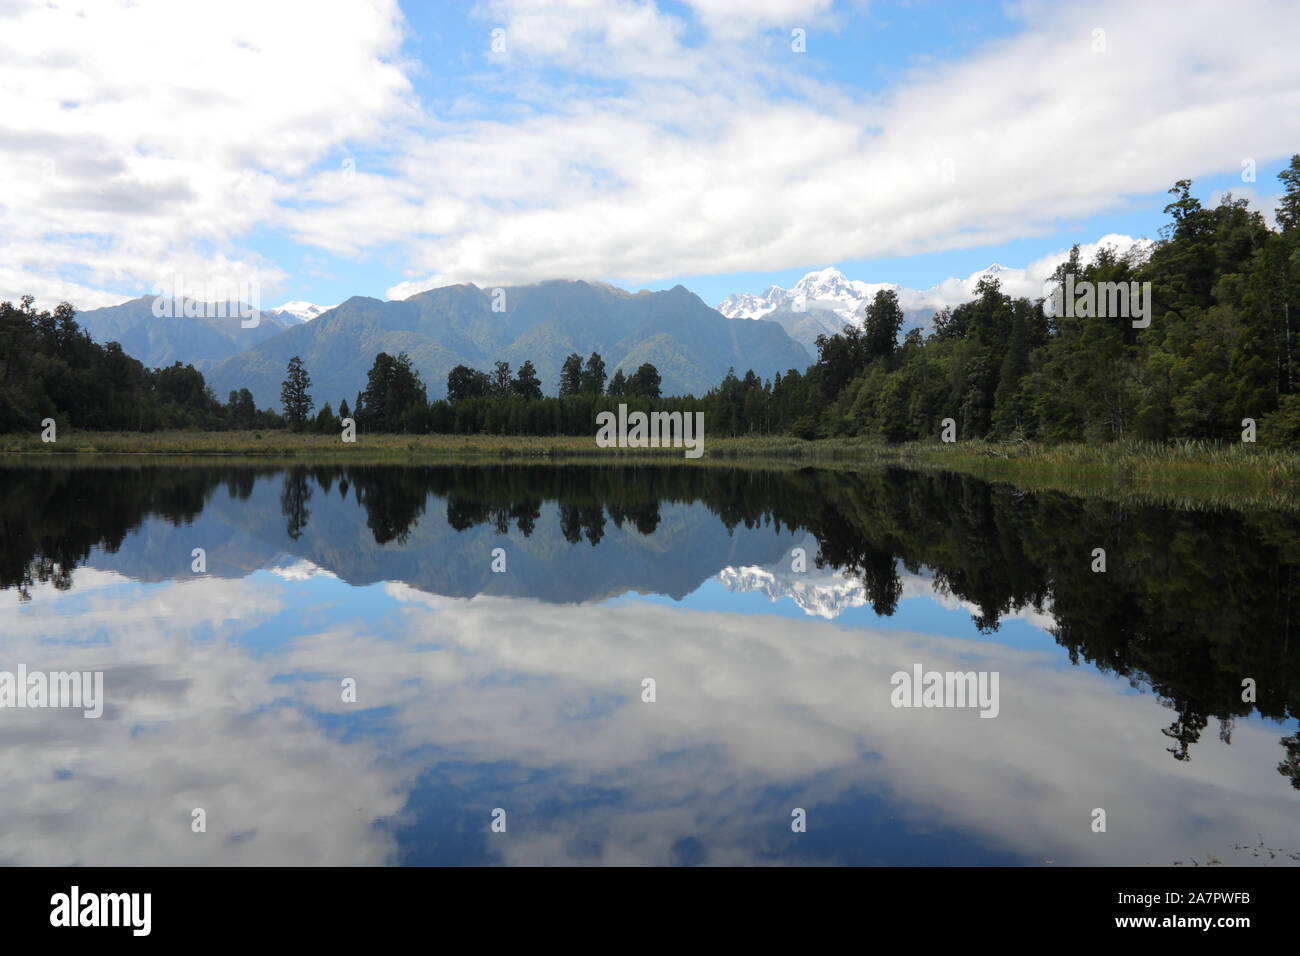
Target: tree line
pixel 576 378
pixel 503 401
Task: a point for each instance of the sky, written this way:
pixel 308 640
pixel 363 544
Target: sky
pixel 366 147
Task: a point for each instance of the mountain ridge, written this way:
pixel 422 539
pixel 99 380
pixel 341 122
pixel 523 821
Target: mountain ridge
pixel 690 343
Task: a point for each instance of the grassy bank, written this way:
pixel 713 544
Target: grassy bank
pixel 1195 471
pixel 1182 474
pixel 1186 474
pixel 284 444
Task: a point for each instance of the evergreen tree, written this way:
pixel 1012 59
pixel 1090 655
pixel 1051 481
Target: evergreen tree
pixel 375 395
pixel 395 398
pixel 464 382
pixel 325 420
pixel 1010 407
pixel 593 376
pixel 407 399
pixel 883 322
pixel 644 381
pixel 294 397
pixel 241 409
pixel 571 375
pixel 527 385
pixel 502 379
pixel 1288 210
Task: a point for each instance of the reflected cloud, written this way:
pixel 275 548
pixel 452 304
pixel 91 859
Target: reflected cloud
pixel 468 704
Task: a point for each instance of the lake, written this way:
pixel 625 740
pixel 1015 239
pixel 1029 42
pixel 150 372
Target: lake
pixel 668 665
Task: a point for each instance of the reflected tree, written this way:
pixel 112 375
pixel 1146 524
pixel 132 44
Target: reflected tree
pixel 294 496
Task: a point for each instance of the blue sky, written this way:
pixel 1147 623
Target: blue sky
pixel 722 144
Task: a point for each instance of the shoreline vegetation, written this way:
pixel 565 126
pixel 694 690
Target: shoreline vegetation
pixel 1181 473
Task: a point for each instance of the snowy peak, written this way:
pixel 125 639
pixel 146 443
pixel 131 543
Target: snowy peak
pixel 831 285
pixel 825 598
pixel 303 311
pixel 744 305
pixel 821 303
pixel 826 291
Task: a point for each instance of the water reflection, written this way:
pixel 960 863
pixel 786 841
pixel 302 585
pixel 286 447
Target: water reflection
pixel 522 689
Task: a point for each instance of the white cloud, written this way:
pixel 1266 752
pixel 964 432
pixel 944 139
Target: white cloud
pixel 604 141
pixel 148 139
pixel 1027 282
pixel 741 16
pixel 712 176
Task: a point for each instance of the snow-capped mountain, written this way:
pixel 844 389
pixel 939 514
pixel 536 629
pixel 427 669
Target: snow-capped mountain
pixel 830 290
pixel 821 302
pixel 827 290
pixel 303 311
pixel 820 592
pixel 817 594
pixel 746 305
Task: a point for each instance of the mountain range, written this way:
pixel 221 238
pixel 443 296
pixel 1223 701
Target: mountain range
pixel 691 344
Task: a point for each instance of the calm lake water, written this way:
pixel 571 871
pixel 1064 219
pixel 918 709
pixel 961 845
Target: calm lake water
pixel 522 689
